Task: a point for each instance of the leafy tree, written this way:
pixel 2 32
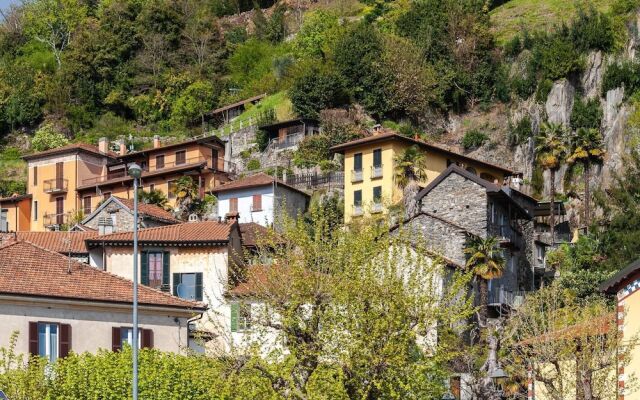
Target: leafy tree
pixel 154 197
pixel 265 117
pixel 551 150
pixel 316 90
pixel 315 35
pixel 312 150
pixel 486 261
pixel 410 170
pixel 586 148
pixel 47 137
pixel 195 101
pixel 586 114
pixel 186 191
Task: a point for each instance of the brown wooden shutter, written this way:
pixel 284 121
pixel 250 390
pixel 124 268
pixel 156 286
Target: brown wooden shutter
pixel 65 340
pixel 147 339
pixel 257 202
pixel 33 338
pixel 116 345
pixel 233 204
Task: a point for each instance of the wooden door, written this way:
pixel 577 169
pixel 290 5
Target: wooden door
pixel 59 210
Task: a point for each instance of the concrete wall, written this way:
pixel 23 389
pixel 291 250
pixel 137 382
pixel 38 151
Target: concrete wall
pixel 264 217
pixel 290 202
pixel 18 215
pixel 90 325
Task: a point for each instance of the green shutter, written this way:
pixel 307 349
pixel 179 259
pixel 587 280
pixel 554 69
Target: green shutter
pixel 165 270
pixel 144 268
pixel 176 281
pixel 199 286
pixel 235 310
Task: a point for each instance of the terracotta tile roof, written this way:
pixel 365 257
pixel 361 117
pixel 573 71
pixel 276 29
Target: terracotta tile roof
pixel 29 270
pixel 259 279
pixel 60 242
pixel 150 210
pixel 70 148
pixel 253 233
pixel 395 136
pixel 206 232
pixel 14 198
pixel 251 181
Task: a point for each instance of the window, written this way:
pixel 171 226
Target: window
pixel 377 194
pixel 233 204
pixel 357 198
pixel 188 285
pixel 160 161
pixel 377 158
pixel 240 317
pixel 35 210
pixel 35 176
pixel 171 189
pixel 49 340
pixel 122 335
pixel 181 157
pixel 154 269
pixel 257 202
pixel 357 162
pixel 86 205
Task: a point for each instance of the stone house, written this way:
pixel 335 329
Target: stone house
pixel 56 305
pixel 116 215
pixel 197 261
pixel 260 198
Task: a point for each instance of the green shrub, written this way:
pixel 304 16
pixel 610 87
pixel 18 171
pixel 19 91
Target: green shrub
pixel 513 47
pixel 520 132
pixel 9 187
pixel 524 86
pixel 625 74
pixel 312 150
pixel 474 139
pixel 537 180
pixel 544 88
pixel 317 89
pixel 253 164
pixel 592 30
pixel 586 114
pixel 47 137
pixel 556 56
pixel 265 117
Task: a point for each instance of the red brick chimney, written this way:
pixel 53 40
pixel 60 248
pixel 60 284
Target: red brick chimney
pixel 232 217
pixel 156 141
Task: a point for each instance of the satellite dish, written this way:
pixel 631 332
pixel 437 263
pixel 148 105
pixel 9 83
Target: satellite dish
pixel 181 289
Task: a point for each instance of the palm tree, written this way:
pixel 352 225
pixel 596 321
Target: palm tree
pixel 586 148
pixel 410 167
pixel 155 197
pixel 486 260
pixel 551 150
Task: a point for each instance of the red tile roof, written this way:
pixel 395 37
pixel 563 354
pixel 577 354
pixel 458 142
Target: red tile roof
pixel 395 136
pixel 259 280
pixel 251 181
pixel 70 148
pixel 254 234
pixel 193 233
pixel 15 198
pixel 29 270
pixel 60 242
pixel 150 210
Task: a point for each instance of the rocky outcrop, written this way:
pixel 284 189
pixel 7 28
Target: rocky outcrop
pixel 560 102
pixel 616 114
pixel 592 78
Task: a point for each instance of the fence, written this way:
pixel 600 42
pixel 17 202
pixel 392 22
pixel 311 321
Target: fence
pixel 314 180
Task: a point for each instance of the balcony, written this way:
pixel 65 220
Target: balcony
pixel 58 185
pixel 290 140
pixel 55 220
pixel 357 210
pixel 376 171
pixel 356 176
pixel 500 297
pixel 507 235
pixel 376 208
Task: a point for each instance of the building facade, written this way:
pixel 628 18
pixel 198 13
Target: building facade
pixel 15 213
pixel 116 215
pixel 369 170
pixel 56 305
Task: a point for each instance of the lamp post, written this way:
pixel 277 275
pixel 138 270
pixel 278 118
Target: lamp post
pixel 135 172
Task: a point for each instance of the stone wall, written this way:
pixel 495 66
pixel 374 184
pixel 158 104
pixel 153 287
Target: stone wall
pixel 460 201
pixel 122 219
pixel 440 237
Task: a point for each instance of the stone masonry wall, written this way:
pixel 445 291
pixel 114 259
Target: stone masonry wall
pixel 123 221
pixel 440 237
pixel 460 201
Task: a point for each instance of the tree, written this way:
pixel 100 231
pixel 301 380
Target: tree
pixel 486 262
pixel 410 170
pixel 317 89
pixel 53 22
pixel 551 151
pixel 154 197
pixel 47 137
pixel 569 344
pixel 194 102
pixel 586 148
pixel 357 310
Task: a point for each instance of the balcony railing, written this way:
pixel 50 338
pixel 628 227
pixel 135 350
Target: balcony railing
pixel 56 219
pixel 507 235
pixel 219 164
pixel 57 185
pixel 356 175
pixel 501 297
pixel 376 171
pixel 376 208
pixel 357 210
pixel 289 141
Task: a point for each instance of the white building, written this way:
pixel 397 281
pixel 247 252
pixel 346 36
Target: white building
pixel 261 199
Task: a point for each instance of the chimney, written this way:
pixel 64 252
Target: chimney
pixel 156 141
pixel 377 128
pixel 231 217
pixel 103 145
pixel 123 147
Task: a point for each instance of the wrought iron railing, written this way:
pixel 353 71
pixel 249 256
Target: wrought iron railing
pixel 56 219
pixel 289 141
pixel 356 175
pixel 376 171
pixel 56 185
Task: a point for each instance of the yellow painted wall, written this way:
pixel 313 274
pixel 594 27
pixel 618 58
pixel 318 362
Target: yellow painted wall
pixel 436 163
pixel 18 214
pixel 631 329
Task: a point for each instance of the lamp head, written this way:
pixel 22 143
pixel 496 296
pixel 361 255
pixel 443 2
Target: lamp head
pixel 134 170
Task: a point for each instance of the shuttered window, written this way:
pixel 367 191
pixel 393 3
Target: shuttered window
pixel 240 317
pixel 121 335
pixel 257 202
pixel 86 205
pixel 181 157
pixel 188 285
pixel 49 340
pixel 155 269
pixel 35 176
pixel 233 204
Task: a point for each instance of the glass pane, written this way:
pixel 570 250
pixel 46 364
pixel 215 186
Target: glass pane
pixel 377 158
pixel 53 342
pixel 357 162
pixel 42 340
pixel 187 287
pixel 155 270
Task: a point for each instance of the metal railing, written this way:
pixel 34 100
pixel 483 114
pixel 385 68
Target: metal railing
pixel 219 164
pixel 376 171
pixel 289 141
pixel 315 180
pixel 357 210
pixel 507 235
pixel 356 175
pixel 56 185
pixel 502 297
pixel 376 207
pixel 56 219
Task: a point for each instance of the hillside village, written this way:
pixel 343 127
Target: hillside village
pixel 332 203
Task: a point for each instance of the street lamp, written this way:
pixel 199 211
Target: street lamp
pixel 135 172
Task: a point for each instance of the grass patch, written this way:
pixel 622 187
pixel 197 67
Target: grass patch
pixel 536 15
pixel 279 102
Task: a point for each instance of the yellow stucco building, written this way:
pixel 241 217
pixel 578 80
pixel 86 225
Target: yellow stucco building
pixel 369 180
